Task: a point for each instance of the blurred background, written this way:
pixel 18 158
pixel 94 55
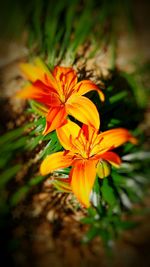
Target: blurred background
pixel 107 42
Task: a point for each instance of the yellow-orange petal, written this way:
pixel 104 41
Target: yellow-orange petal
pixel 55 161
pixel 32 72
pixel 66 76
pixel 56 118
pixel 86 86
pixel 47 76
pixel 33 92
pixel 82 180
pixel 83 110
pixel 38 71
pixel 67 134
pixel 27 92
pixel 116 137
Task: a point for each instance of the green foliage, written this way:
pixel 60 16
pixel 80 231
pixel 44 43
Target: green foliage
pixel 10 143
pixel 8 174
pixel 138 89
pixel 21 193
pixel 108 193
pixel 55 31
pixel 17 142
pixel 105 224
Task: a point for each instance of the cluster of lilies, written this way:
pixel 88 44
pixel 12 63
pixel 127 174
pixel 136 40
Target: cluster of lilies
pixel 86 151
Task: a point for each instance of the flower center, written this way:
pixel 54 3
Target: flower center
pixel 84 154
pixel 63 99
pixel 65 90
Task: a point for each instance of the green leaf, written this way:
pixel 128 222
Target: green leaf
pixel 33 142
pixel 9 174
pixel 19 195
pixel 63 171
pixel 11 136
pixel 117 179
pixel 16 144
pixel 36 180
pixel 4 158
pixel 87 220
pixel 108 193
pixel 93 232
pixel 125 199
pixel 38 108
pixel 125 225
pixel 118 97
pixel 113 123
pixel 138 90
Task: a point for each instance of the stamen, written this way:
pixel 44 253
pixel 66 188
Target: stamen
pixel 74 77
pixel 94 146
pixel 98 141
pixel 74 143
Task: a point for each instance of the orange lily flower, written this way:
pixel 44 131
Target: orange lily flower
pixel 60 93
pixel 84 149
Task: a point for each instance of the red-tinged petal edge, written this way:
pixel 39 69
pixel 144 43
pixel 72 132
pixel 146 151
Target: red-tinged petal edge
pixel 112 158
pixel 86 86
pixel 56 118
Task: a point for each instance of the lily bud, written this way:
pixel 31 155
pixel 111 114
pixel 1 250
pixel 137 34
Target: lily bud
pixel 103 169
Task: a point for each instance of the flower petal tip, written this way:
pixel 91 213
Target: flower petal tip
pixel 17 94
pixel 101 96
pixel 45 132
pixel 134 140
pixel 42 168
pixel 20 95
